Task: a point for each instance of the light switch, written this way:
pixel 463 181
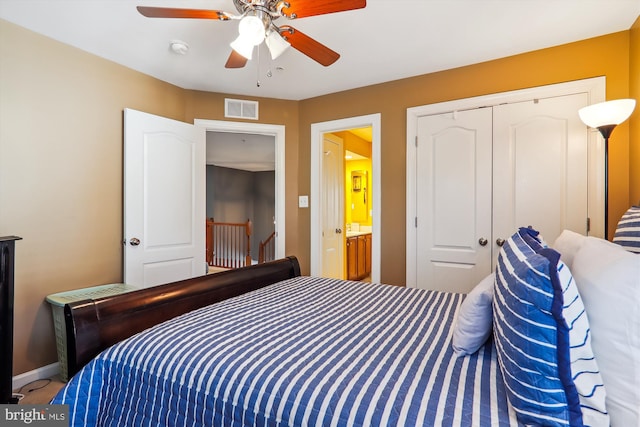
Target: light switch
pixel 303 201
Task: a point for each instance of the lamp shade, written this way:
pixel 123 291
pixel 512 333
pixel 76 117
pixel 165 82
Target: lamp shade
pixel 252 29
pixel 607 113
pixel 243 46
pixel 276 44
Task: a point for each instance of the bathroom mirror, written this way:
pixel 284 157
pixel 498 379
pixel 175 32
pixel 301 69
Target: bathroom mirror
pixel 359 202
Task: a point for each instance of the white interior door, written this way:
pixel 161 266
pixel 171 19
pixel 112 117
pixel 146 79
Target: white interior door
pixel 483 173
pixel 547 171
pixel 453 200
pixel 332 207
pixel 540 167
pixel 164 200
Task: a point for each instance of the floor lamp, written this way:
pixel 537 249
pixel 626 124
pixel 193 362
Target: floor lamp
pixel 605 116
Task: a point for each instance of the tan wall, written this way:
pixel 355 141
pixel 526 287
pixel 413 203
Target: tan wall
pixel 634 122
pixel 607 55
pixel 61 154
pixel 61 172
pixel 61 169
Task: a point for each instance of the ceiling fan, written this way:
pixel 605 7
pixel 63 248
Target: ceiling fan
pixel 257 25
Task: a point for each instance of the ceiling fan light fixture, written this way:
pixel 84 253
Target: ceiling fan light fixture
pixel 252 29
pixel 276 44
pixel 243 46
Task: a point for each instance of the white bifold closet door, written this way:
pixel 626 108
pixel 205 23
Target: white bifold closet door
pixel 483 173
pixel 453 199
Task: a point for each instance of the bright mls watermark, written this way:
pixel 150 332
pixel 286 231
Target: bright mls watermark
pixel 34 415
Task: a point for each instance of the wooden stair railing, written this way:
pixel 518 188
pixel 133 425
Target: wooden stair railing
pixel 228 244
pixel 267 249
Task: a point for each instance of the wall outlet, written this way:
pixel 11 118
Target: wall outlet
pixel 303 201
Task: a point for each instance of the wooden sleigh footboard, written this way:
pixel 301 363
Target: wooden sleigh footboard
pixel 93 325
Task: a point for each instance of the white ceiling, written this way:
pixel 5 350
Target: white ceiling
pixel 250 152
pixel 388 40
pixel 254 152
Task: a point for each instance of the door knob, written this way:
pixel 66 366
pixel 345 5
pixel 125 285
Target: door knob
pixel 482 241
pixel 134 242
pixel 500 242
pixel 338 230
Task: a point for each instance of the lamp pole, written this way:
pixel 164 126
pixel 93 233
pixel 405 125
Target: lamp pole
pixel 605 131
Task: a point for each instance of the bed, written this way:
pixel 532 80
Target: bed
pixel 265 346
pixel 298 351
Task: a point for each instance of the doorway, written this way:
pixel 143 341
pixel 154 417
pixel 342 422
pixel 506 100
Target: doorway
pixel 241 194
pixel 318 132
pixel 261 132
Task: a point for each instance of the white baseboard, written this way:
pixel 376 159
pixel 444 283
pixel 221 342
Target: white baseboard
pixel 37 374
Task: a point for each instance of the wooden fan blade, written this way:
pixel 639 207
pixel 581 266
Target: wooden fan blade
pixel 235 60
pixel 310 47
pixel 303 8
pixel 171 12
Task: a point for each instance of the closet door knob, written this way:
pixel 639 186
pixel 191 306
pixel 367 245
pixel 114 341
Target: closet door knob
pixel 500 242
pixel 134 242
pixel 482 241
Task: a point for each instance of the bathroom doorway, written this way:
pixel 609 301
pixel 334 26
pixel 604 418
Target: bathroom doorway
pixel 370 124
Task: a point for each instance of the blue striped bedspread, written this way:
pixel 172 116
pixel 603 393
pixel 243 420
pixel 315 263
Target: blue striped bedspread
pixel 302 352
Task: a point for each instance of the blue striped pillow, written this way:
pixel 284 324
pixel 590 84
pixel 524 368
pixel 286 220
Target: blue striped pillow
pixel 543 339
pixel 628 230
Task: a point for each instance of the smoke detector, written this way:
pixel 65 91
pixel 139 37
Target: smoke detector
pixel 179 47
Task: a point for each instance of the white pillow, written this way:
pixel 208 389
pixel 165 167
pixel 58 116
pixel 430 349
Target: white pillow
pixel 608 279
pixel 475 317
pixel 568 243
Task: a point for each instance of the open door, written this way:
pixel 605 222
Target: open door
pixel 332 207
pixel 164 200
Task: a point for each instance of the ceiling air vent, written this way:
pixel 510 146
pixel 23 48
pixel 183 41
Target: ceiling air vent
pixel 240 109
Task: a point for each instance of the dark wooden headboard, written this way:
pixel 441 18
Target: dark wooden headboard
pixel 93 325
